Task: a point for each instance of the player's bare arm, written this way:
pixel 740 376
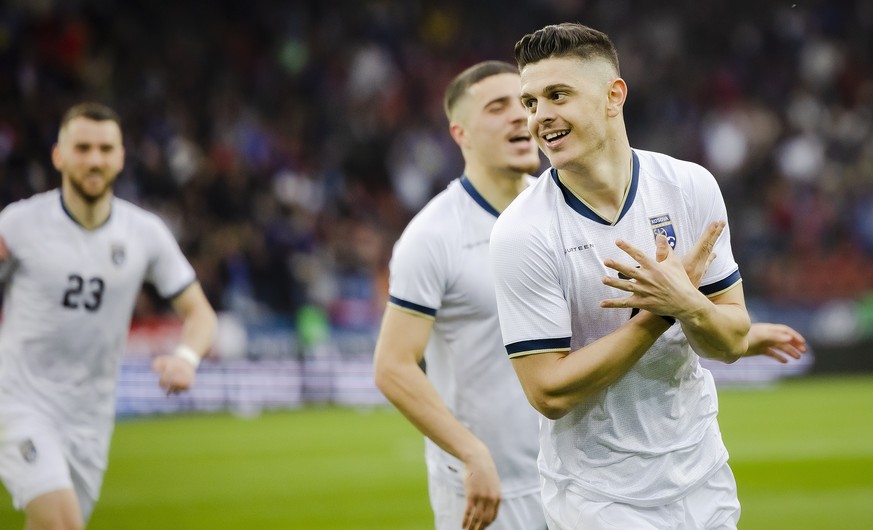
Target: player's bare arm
pixel 176 370
pixel 399 352
pixel 556 382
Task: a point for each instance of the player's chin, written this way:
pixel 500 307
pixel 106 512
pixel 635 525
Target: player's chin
pixel 525 164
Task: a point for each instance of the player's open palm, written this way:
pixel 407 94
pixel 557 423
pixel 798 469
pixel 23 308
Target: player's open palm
pixel 482 487
pixel 174 373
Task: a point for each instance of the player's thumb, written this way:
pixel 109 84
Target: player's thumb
pixel 662 248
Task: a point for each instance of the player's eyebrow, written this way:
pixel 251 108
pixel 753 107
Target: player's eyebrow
pixel 554 88
pixel 501 99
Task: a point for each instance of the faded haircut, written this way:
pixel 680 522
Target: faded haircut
pixel 469 77
pixel 92 111
pixel 565 40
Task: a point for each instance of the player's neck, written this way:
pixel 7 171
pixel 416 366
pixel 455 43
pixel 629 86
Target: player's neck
pixel 89 214
pixel 601 182
pixel 499 188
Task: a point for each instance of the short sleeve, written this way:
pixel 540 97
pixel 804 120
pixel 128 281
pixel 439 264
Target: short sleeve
pixel 418 272
pixel 533 311
pixel 707 207
pixel 169 271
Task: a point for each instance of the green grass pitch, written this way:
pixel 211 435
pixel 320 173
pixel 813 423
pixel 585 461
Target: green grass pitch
pixel 802 452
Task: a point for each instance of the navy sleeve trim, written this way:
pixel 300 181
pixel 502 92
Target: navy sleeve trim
pixel 720 286
pixel 527 347
pixel 412 307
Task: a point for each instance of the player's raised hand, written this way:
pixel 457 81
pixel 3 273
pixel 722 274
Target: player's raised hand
pixel 775 340
pixel 482 488
pixel 175 374
pixel 660 284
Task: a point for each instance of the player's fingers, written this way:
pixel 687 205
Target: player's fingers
pixel 623 269
pixel 467 521
pixel 790 350
pixel 707 240
pixel 638 255
pixel 703 247
pixel 709 260
pixel 483 514
pixel 776 354
pixel 624 285
pixel 489 513
pixel 662 248
pixel 620 303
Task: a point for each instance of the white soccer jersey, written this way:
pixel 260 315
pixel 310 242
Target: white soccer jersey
pixel 68 301
pixel 439 270
pixel 652 434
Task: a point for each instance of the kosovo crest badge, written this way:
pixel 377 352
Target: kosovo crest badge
pixel 28 451
pixel 661 224
pixel 118 254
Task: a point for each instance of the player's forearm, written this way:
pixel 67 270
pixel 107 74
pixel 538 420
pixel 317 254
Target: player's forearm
pixel 198 328
pixel 718 331
pixel 408 389
pixel 556 383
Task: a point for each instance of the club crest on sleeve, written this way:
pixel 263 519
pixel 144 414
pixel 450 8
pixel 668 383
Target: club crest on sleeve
pixel 28 451
pixel 661 224
pixel 118 254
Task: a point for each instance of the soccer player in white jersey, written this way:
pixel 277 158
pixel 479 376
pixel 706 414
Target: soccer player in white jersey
pixel 481 445
pixel 73 262
pixel 630 437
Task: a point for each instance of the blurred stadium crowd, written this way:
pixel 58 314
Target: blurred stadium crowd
pixel 287 143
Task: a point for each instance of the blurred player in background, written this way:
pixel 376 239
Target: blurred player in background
pixel 481 432
pixel 630 438
pixel 73 262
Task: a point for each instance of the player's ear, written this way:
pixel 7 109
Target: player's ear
pixel 457 132
pixel 57 158
pixel 617 96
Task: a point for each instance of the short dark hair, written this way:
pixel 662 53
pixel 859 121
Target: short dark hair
pixel 565 40
pixel 470 77
pixel 92 111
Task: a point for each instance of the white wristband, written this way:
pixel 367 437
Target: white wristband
pixel 185 352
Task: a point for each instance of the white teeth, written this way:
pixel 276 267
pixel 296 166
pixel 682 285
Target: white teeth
pixel 551 136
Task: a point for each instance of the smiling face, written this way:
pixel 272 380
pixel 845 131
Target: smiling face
pixel 489 124
pixel 89 156
pixel 573 108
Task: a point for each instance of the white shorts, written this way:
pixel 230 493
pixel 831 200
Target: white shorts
pixel 713 505
pixel 518 513
pixel 36 457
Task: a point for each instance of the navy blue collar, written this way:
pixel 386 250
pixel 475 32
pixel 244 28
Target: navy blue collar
pixel 70 214
pixel 581 208
pixel 480 200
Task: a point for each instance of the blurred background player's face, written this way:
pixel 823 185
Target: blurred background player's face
pixel 89 155
pixel 566 102
pixel 495 126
